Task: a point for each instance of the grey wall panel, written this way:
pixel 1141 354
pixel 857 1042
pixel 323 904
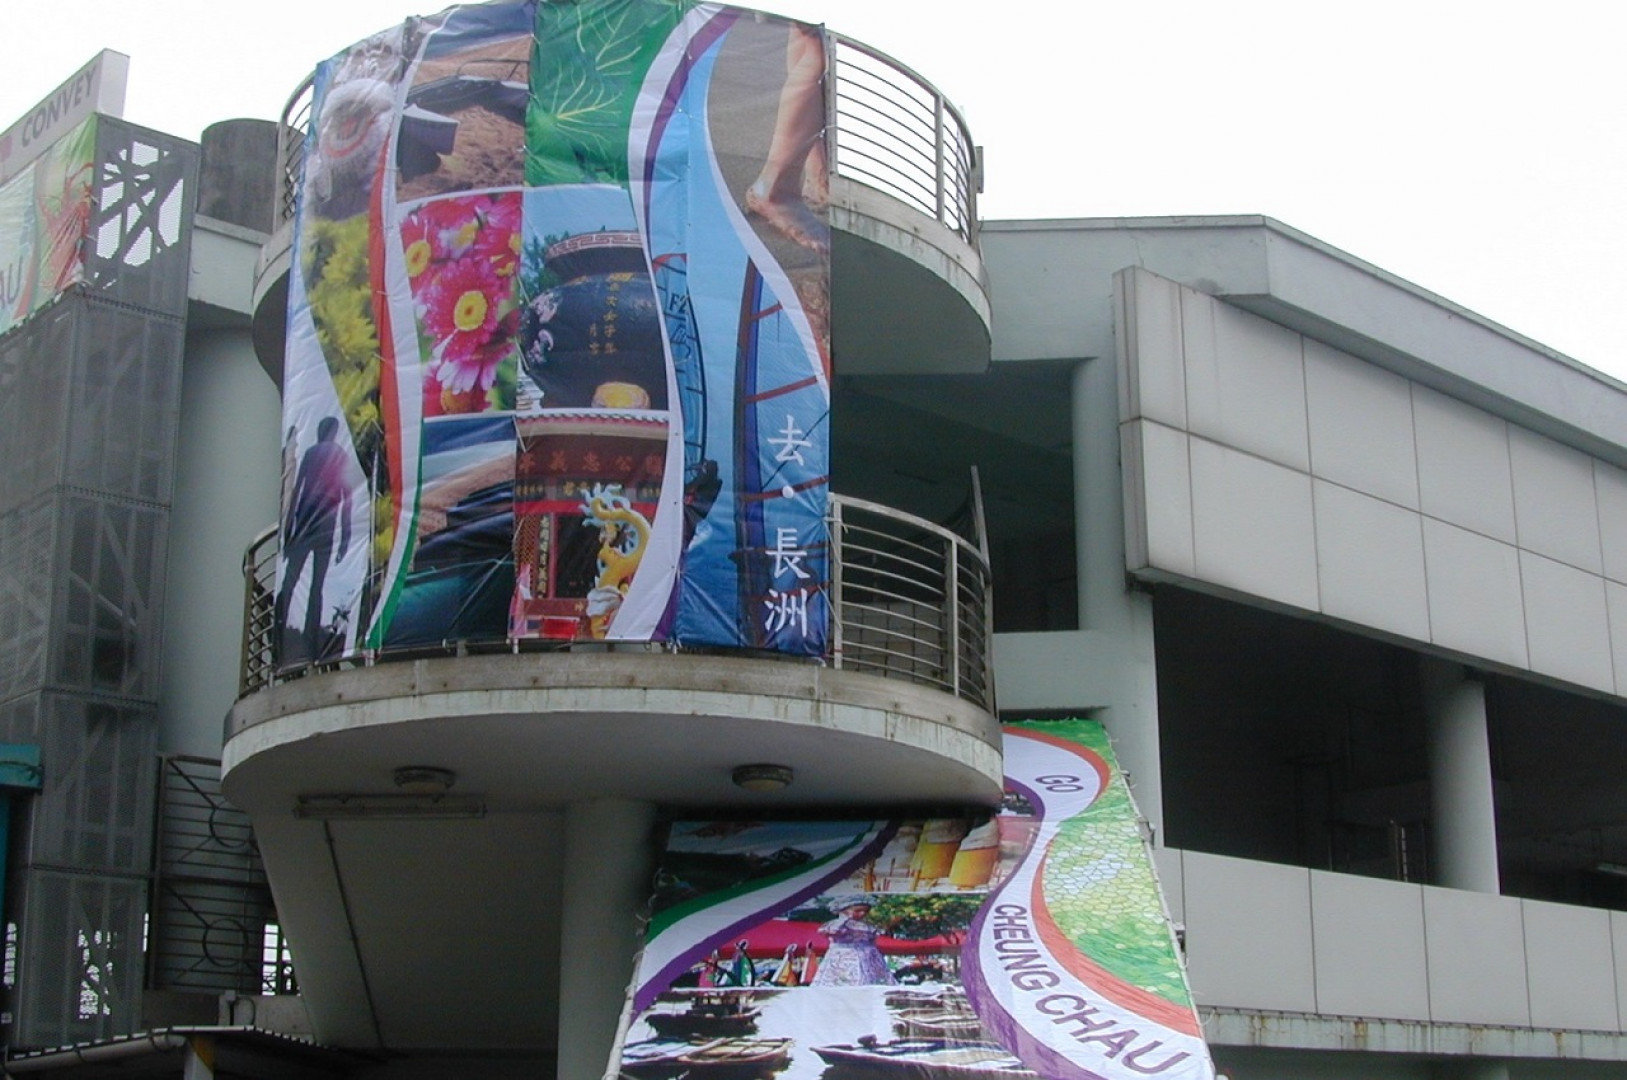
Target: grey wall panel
pixel 1476 953
pixel 123 403
pixel 1369 940
pixel 1618 956
pixel 1248 933
pixel 1571 969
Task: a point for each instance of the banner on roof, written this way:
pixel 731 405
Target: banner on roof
pixel 557 361
pixel 1033 943
pixel 44 217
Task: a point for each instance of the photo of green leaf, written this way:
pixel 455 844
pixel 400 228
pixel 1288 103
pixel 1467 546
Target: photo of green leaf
pixel 587 67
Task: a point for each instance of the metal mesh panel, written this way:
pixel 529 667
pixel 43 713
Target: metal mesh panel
pixel 27 577
pixel 79 957
pixel 98 812
pixel 211 903
pixel 141 217
pixel 113 566
pixel 95 811
pixel 34 363
pixel 123 403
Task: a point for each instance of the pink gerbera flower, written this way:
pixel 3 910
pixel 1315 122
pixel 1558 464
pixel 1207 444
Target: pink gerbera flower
pixel 460 307
pixel 417 244
pixel 450 225
pixel 473 372
pixel 499 236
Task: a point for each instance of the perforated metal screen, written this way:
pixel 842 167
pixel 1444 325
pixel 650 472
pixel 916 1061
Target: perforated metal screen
pixel 89 401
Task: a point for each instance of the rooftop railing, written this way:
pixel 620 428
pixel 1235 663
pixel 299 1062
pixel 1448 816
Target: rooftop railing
pixel 893 131
pixel 910 599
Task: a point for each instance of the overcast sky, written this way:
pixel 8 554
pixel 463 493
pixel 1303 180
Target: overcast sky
pixel 1478 150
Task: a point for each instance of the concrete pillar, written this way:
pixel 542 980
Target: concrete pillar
pixel 1463 819
pixel 608 862
pixel 228 477
pixel 1118 620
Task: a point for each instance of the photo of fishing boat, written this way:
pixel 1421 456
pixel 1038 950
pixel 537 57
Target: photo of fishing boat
pixel 956 1025
pixel 706 1059
pixel 939 1059
pixel 708 1013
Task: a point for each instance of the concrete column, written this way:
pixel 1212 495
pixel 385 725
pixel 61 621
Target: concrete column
pixel 1098 496
pixel 1117 621
pixel 608 862
pixel 1463 817
pixel 228 477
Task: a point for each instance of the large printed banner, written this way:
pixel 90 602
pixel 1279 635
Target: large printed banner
pixel 1030 944
pixel 557 360
pixel 44 216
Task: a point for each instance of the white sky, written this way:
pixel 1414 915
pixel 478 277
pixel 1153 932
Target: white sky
pixel 1479 150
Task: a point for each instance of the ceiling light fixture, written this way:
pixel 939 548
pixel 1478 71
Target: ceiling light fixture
pixel 762 777
pixel 425 779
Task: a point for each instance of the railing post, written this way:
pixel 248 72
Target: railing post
pixel 833 127
pixel 834 552
pixel 248 624
pixel 937 154
pixel 953 611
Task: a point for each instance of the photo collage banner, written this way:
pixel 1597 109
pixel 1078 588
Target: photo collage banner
pixel 44 218
pixel 557 359
pixel 1030 943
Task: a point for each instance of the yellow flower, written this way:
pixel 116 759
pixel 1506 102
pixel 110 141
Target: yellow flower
pixel 418 256
pixel 469 313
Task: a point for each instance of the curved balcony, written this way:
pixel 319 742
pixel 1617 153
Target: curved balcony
pixel 905 685
pixel 910 599
pixel 905 177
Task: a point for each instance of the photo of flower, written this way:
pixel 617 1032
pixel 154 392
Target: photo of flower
pixel 461 255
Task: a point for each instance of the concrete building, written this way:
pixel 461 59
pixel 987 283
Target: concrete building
pixel 1340 566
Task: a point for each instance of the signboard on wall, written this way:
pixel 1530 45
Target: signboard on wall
pixel 1033 943
pixel 98 87
pixel 558 362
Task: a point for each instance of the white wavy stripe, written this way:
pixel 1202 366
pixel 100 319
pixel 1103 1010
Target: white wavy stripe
pixel 1051 1004
pixel 651 588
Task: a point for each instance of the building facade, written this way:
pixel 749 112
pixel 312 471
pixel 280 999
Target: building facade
pixel 1340 567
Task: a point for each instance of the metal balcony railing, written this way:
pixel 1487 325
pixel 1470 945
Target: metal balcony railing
pixel 895 132
pixel 910 600
pixel 892 131
pixel 296 117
